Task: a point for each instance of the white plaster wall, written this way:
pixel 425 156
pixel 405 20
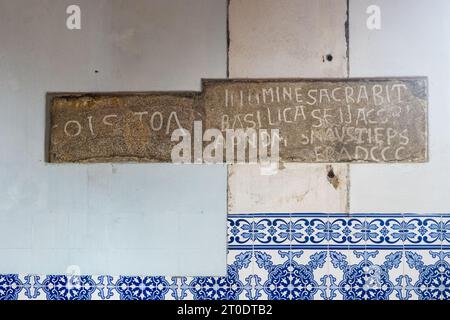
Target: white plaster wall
pixel 413 40
pixel 108 219
pixel 287 38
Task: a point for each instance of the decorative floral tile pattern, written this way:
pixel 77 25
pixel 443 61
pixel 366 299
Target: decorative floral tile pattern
pixel 288 256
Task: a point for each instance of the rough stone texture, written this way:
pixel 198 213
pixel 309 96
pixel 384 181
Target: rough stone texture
pixel 367 120
pixel 291 189
pixel 383 120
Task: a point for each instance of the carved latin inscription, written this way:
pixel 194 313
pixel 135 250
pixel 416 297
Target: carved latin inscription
pixel 360 120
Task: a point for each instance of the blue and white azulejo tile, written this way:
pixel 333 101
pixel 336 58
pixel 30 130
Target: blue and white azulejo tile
pixel 289 257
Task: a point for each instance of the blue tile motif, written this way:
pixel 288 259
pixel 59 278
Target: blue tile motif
pixel 289 257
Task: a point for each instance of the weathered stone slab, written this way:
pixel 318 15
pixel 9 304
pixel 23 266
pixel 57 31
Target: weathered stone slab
pixel 117 127
pixel 355 120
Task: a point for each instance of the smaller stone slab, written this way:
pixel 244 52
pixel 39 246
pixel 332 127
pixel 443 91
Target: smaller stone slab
pixel 329 120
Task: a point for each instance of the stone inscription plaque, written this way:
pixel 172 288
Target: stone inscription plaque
pixel 337 120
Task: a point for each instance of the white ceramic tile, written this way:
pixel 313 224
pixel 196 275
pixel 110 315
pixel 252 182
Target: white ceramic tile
pixel 47 207
pixel 296 188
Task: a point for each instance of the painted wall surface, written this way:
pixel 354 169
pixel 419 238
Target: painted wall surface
pixel 272 255
pixel 108 219
pixel 287 38
pixel 413 40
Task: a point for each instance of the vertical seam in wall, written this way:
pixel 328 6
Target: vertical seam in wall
pixel 347 40
pixel 228 38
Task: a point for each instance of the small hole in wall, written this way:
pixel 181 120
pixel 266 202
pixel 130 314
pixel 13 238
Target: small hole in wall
pixel 329 57
pixel 96 71
pixel 332 178
pixel 331 174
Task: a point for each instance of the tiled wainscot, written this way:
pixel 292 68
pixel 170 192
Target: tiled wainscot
pixel 290 256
